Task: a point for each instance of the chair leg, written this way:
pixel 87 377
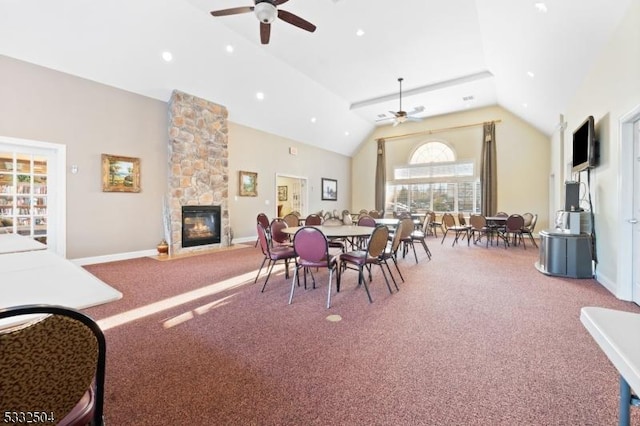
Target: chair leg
pixel 395 262
pixel 270 266
pixel 392 277
pixel 293 283
pixel 444 236
pixel 366 286
pixel 414 251
pixel 260 270
pixel 385 278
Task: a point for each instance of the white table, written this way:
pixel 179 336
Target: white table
pixel 618 335
pixel 43 277
pixel 13 243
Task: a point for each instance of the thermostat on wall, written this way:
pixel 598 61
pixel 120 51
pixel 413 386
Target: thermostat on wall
pixel 293 150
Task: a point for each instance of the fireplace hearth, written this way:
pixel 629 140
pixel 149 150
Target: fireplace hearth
pixel 201 225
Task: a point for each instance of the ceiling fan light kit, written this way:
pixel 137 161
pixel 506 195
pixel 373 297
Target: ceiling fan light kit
pixel 267 11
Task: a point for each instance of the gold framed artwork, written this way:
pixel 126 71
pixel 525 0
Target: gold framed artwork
pixel 120 174
pixel 282 193
pixel 248 184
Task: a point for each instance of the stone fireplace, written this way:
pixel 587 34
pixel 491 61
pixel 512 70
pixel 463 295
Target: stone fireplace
pixel 198 170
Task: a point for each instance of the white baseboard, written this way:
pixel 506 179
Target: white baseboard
pixel 135 254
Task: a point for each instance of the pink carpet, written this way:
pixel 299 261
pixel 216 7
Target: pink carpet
pixel 475 336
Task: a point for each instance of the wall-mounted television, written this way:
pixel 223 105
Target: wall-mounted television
pixel 584 146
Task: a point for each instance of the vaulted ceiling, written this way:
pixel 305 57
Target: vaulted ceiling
pixel 329 88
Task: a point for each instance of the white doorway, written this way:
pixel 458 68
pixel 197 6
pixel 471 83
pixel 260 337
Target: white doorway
pixel 45 198
pixel 629 207
pixel 291 195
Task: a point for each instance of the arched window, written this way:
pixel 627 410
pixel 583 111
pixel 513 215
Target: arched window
pixel 432 152
pixel 434 179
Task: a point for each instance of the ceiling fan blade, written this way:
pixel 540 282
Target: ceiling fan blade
pixel 395 123
pixel 279 2
pixel 265 32
pixel 232 11
pixel 413 118
pixel 395 114
pixel 296 20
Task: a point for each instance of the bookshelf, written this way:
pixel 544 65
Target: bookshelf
pixel 23 195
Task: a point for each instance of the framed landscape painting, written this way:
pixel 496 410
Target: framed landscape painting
pixel 120 174
pixel 329 189
pixel 248 182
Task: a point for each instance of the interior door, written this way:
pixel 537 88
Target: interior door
pixel 636 213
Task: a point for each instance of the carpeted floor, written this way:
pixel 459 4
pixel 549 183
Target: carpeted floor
pixel 476 336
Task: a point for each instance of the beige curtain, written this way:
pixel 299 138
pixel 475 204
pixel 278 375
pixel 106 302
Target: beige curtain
pixel 488 178
pixel 381 177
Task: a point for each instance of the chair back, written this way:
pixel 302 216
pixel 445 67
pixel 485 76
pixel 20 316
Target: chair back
pixel 528 218
pixel 448 220
pixel 397 237
pixel 375 214
pixel 477 221
pixel 366 221
pixel 405 228
pixel 332 222
pixel 502 214
pixel 514 223
pixel 533 222
pixel 461 220
pixel 313 219
pixel 262 238
pixel 263 220
pixel 378 241
pixel 426 223
pixel 291 219
pixel 277 236
pixel 311 244
pixel 53 361
pixel 346 218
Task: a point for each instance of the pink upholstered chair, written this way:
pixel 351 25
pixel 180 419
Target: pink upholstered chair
pixel 273 255
pixel 312 249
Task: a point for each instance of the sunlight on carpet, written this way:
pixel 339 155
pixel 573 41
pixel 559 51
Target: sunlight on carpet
pixel 181 299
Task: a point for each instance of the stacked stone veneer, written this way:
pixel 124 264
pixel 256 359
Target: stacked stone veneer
pixel 198 163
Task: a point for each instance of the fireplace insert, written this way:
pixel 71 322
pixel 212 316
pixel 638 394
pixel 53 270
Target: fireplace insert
pixel 200 225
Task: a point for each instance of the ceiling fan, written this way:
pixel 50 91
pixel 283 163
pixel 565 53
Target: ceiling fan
pixel 267 11
pixel 401 116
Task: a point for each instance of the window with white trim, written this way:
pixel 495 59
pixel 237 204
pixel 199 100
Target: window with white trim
pixel 434 180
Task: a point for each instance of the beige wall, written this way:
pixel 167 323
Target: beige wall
pixel 267 154
pixel 522 157
pixel 90 119
pixel 40 104
pixel 610 90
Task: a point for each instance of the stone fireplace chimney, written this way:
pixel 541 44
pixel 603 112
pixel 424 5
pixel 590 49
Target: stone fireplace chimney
pixel 198 163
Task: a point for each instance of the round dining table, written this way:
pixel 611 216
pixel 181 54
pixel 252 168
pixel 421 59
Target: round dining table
pixel 344 231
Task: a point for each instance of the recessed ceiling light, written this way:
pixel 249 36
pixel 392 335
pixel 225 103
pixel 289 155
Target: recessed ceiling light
pixel 229 48
pixel 259 96
pixel 346 133
pixel 313 119
pixel 541 7
pixel 531 74
pixel 360 32
pixel 167 56
pixel 525 105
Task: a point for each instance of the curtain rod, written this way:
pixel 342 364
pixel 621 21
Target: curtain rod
pixel 428 132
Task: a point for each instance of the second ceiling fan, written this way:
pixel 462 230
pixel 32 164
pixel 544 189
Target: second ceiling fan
pixel 267 11
pixel 401 116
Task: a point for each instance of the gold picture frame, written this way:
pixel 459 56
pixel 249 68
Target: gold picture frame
pixel 120 174
pixel 283 193
pixel 248 184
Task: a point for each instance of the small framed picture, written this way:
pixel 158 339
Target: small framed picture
pixel 329 189
pixel 282 193
pixel 248 182
pixel 120 174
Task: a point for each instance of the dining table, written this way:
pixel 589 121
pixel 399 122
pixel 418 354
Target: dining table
pixel 32 274
pixel 344 231
pixel 616 333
